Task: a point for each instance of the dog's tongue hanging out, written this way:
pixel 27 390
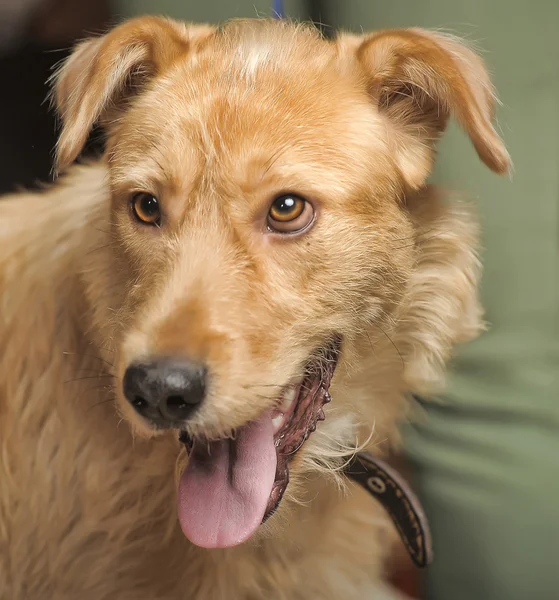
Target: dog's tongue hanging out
pixel 224 490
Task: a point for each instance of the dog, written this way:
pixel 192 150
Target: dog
pixel 257 237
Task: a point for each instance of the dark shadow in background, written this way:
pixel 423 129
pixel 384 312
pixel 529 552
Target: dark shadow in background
pixel 27 125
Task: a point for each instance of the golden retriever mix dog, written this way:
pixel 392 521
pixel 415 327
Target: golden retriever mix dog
pixel 173 314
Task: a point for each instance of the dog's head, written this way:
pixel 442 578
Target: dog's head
pixel 270 231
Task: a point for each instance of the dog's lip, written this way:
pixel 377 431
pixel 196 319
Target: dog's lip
pixel 305 411
pixel 309 409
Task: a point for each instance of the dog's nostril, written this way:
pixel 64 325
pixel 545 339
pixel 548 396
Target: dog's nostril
pixel 139 402
pixel 176 402
pixel 180 407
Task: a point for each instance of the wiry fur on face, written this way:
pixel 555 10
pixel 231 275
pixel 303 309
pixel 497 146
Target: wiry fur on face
pixel 215 124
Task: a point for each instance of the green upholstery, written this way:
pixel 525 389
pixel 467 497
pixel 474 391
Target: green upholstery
pixel 488 463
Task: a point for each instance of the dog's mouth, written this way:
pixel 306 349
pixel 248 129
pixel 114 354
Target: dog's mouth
pixel 231 486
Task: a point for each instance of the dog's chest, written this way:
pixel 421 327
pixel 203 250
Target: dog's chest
pixel 84 510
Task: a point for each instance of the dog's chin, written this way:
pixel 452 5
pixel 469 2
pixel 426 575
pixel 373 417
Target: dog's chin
pixel 265 448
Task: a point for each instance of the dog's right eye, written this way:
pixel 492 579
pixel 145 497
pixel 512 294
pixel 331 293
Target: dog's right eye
pixel 146 208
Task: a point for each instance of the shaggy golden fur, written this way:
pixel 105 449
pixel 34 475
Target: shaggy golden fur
pixel 216 122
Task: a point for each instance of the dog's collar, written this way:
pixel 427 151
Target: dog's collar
pixel 388 487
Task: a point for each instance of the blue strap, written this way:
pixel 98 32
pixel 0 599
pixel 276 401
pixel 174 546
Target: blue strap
pixel 278 9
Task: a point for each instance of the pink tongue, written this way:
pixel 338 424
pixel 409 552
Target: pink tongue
pixel 225 488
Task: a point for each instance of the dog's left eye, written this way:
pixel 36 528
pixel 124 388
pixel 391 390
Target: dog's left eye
pixel 146 208
pixel 290 214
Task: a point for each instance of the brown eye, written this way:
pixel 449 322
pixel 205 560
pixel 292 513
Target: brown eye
pixel 289 214
pixel 146 208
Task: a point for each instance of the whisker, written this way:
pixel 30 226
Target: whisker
pixel 90 356
pixel 415 236
pixel 97 372
pixel 418 241
pixel 101 403
pixel 104 386
pixel 250 386
pixel 89 377
pixel 99 248
pixel 370 340
pixel 395 347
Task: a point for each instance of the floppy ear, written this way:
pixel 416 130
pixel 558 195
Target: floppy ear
pixel 418 79
pixel 102 72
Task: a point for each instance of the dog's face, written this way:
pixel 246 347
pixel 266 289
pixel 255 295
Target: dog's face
pixel 258 177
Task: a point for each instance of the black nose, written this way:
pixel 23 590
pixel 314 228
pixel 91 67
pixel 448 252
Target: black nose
pixel 165 390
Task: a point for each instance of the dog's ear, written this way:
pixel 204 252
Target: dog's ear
pixel 102 72
pixel 418 79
